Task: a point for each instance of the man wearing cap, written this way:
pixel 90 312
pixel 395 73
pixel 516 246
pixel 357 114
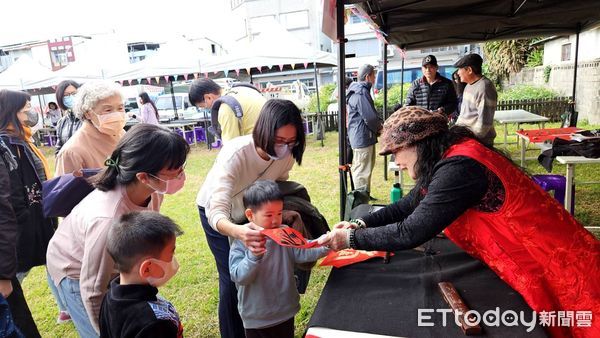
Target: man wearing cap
pixel 479 99
pixel 364 126
pixel 432 91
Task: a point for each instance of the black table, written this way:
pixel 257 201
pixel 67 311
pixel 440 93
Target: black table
pixel 372 297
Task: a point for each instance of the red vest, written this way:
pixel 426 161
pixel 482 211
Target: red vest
pixel 533 244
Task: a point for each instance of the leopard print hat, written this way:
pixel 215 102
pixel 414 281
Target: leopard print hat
pixel 409 125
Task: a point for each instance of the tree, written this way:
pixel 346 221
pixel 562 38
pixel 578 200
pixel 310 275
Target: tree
pixel 508 56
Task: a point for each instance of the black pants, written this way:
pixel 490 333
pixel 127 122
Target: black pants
pixel 283 330
pixel 20 311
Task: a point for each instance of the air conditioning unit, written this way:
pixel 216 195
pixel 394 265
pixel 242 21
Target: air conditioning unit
pixel 390 50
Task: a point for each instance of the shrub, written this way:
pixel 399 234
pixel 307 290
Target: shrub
pixel 526 92
pixel 393 97
pixel 325 94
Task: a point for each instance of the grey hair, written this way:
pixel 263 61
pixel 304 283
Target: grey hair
pixel 90 93
pixel 365 70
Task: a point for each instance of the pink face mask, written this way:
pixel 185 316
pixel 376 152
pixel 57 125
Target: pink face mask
pixel 173 185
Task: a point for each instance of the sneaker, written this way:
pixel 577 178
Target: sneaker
pixel 63 317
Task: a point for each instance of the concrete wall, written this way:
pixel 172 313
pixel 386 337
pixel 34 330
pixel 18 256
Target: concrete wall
pixel 561 80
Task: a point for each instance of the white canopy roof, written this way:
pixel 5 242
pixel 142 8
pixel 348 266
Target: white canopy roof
pixel 275 46
pixel 177 57
pixel 20 73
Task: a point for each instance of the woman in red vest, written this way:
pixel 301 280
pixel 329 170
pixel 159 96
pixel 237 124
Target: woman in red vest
pixel 488 207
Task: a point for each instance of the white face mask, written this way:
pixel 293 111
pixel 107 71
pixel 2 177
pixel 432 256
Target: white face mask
pixel 281 151
pixel 169 270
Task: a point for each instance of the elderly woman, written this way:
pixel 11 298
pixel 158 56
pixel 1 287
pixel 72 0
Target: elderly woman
pixel 277 142
pixel 488 207
pixel 100 106
pixel 147 162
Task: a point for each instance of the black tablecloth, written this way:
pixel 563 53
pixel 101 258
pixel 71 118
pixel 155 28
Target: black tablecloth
pixel 379 298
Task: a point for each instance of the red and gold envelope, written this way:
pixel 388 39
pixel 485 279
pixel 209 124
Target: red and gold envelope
pixel 349 256
pixel 289 237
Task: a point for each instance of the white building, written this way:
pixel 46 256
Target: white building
pixel 561 49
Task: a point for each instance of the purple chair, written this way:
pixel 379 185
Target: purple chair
pixel 179 131
pixel 557 184
pixel 216 144
pixel 188 135
pixel 200 134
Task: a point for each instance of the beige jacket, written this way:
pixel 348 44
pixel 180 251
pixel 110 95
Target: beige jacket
pixel 86 149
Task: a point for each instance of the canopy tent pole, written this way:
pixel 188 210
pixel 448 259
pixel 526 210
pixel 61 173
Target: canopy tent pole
pixel 319 129
pixel 173 99
pixel 385 103
pixel 402 81
pixel 251 79
pixel 339 6
pixel 575 65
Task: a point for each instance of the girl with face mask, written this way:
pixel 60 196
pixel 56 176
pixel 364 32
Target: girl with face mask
pixel 24 227
pixel 99 104
pixel 147 162
pixel 269 153
pixel 69 123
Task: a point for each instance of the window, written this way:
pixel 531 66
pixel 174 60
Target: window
pixel 360 48
pixel 294 20
pixel 356 19
pixel 565 54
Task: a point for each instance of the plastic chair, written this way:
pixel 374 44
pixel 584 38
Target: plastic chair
pixel 200 134
pixel 216 144
pixel 179 131
pixel 188 135
pixel 557 184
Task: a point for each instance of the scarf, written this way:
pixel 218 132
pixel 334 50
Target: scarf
pixel 28 138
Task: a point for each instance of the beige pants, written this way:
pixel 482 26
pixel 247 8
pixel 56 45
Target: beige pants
pixel 362 166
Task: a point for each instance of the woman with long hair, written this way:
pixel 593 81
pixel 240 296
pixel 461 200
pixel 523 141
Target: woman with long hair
pixel 27 170
pixel 148 110
pixel 487 206
pixel 147 162
pixel 269 153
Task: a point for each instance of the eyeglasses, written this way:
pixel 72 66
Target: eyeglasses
pixel 291 144
pixel 178 176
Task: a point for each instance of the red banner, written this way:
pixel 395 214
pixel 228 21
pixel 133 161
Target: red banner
pixel 349 256
pixel 289 237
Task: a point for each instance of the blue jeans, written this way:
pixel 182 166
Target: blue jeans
pixel 59 301
pixel 230 323
pixel 68 291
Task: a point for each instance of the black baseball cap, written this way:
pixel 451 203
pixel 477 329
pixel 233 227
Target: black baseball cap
pixel 429 60
pixel 469 60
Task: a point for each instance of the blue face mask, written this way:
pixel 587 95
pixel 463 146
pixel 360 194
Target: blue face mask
pixel 68 101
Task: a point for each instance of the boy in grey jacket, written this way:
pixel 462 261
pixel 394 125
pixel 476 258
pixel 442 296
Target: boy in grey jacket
pixel 267 295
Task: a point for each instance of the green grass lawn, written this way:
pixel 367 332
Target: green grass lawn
pixel 194 290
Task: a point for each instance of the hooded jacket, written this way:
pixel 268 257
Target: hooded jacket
pixel 363 120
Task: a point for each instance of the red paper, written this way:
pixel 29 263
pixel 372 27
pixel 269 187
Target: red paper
pixel 541 135
pixel 349 256
pixel 289 237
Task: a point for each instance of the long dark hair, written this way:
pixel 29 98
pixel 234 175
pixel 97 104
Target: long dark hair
pixel 60 92
pixel 431 149
pixel 146 99
pixel 145 148
pixel 275 114
pixel 11 102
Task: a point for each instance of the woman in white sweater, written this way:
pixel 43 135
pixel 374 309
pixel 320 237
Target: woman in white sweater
pixel 147 162
pixel 269 153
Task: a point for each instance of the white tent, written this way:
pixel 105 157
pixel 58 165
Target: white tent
pixel 20 73
pixel 175 58
pixel 273 47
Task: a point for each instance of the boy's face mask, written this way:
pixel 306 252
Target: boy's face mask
pixel 169 270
